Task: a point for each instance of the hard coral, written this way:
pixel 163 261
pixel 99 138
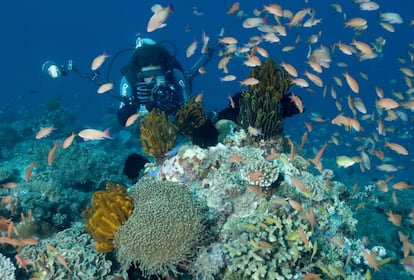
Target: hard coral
pixel 269 246
pixel 109 210
pixel 164 230
pixel 7 268
pixel 260 105
pixel 158 133
pixel 77 248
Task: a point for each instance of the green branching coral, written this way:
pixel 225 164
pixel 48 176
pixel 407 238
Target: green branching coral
pixel 158 133
pixel 269 245
pixel 190 117
pixel 163 231
pixel 260 105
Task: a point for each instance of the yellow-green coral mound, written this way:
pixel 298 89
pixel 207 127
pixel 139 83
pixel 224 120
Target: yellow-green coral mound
pixel 163 231
pixel 158 133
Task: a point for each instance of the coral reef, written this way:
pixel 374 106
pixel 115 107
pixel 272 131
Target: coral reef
pixel 260 105
pixel 109 210
pixel 163 231
pixel 269 245
pixel 225 129
pixel 158 133
pixel 187 164
pixel 77 250
pixel 261 173
pixel 7 268
pixel 208 262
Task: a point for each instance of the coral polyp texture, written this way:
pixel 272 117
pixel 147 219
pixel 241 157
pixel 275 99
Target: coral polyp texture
pixel 109 210
pixel 158 133
pixel 164 230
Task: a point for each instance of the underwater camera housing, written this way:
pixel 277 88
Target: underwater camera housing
pixel 153 87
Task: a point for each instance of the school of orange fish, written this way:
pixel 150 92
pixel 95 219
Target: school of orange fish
pixel 274 25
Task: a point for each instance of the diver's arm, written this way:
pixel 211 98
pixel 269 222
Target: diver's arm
pixel 126 109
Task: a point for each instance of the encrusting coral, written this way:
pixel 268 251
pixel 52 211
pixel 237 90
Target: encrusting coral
pixel 158 133
pixel 164 230
pixel 109 210
pixel 260 105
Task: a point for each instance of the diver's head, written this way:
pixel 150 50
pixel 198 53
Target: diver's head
pixel 139 42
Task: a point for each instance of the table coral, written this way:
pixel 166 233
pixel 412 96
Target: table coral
pixel 109 210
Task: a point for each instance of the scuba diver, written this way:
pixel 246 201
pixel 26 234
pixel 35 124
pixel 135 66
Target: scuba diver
pixel 155 79
pixel 152 79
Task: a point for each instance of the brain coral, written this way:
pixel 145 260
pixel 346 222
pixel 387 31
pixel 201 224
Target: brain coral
pixel 163 231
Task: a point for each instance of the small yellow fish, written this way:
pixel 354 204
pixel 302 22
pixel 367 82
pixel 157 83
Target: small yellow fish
pixel 345 161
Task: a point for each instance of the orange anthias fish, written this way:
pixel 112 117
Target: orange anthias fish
pixel 191 48
pixel 371 260
pixel 52 154
pixel 131 120
pixel 28 172
pixel 69 140
pixel 98 61
pixel 105 88
pixel 249 82
pixel 159 17
pixel 234 8
pixel 394 218
pixel 44 132
pixel 94 134
pixel 298 102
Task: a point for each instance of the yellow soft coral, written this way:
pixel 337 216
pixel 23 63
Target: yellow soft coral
pixel 109 210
